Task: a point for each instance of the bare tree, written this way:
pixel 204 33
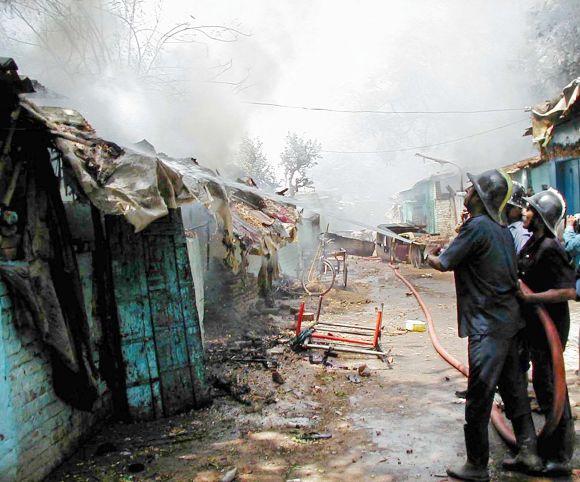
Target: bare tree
pixel 88 37
pixel 298 156
pixel 253 162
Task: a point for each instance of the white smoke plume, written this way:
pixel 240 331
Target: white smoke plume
pixel 187 94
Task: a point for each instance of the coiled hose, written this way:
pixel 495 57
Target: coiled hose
pixel 559 373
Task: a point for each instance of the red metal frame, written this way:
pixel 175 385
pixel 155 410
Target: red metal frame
pixel 342 339
pixel 335 334
pixel 299 320
pixel 378 328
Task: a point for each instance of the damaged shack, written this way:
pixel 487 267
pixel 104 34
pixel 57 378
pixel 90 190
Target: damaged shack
pixel 433 204
pixel 238 252
pixel 98 310
pixel 556 132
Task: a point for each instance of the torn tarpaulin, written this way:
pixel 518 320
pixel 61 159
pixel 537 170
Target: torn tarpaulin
pixel 46 286
pixel 546 116
pixel 140 186
pixel 262 224
pixel 37 306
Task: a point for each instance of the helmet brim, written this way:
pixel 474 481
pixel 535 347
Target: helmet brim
pixel 515 205
pixel 538 209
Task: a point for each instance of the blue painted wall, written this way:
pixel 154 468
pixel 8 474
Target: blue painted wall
pixel 564 150
pixel 567 173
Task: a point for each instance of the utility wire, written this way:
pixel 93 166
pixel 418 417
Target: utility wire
pixel 387 112
pixel 425 146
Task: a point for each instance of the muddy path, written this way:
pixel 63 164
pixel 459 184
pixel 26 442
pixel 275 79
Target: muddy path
pixel 277 416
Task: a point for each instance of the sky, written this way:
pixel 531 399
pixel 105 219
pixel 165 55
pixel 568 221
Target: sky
pixel 416 55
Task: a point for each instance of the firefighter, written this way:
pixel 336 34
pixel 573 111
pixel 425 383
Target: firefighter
pixel 484 262
pixel 513 213
pixel 544 267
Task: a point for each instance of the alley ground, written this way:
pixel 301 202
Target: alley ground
pixel 313 423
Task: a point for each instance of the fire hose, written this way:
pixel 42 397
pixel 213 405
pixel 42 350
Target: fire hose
pixel 558 370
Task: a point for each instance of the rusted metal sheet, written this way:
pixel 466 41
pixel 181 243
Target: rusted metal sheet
pixel 160 334
pixel 354 247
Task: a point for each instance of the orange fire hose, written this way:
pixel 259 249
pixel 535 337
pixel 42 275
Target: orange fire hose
pixel 499 422
pixel 558 368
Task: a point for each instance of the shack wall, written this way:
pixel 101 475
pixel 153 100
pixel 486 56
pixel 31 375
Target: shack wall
pixel 37 429
pixel 540 176
pixel 568 182
pixel 230 294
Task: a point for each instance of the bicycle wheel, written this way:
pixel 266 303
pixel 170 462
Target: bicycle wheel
pixel 319 282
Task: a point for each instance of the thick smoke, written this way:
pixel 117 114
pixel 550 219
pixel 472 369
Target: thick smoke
pixel 189 98
pixel 408 56
pixel 144 68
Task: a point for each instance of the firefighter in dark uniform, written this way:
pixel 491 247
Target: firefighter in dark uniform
pixel 544 267
pixel 484 262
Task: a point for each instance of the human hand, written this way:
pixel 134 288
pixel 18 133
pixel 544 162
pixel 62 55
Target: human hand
pixel 465 215
pixel 521 295
pixel 436 250
pixel 570 220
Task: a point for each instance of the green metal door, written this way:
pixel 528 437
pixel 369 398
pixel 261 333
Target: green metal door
pixel 160 333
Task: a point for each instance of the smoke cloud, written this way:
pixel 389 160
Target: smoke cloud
pixel 189 99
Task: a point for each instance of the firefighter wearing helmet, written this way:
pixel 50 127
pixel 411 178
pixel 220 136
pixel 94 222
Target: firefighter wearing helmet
pixel 544 266
pixel 484 262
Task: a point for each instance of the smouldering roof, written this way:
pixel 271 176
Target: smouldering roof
pixel 547 115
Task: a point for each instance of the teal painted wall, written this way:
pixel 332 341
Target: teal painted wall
pixel 568 182
pixel 37 429
pixel 418 205
pixel 540 175
pixel 162 349
pixel 8 424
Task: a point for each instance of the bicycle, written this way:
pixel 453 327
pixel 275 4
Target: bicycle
pixel 320 277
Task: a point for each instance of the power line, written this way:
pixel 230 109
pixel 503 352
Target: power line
pixel 425 146
pixel 387 112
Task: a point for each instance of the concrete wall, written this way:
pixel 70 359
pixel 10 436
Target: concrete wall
pixel 37 429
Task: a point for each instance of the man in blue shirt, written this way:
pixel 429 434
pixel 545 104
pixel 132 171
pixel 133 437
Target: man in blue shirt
pixel 572 245
pixel 513 211
pixel 483 259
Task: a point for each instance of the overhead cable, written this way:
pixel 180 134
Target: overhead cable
pixel 384 112
pixel 426 146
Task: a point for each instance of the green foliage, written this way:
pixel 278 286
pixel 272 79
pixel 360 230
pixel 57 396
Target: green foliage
pixel 298 156
pixel 254 163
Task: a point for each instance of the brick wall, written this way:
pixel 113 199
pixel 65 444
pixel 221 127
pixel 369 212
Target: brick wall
pixel 37 429
pixel 444 217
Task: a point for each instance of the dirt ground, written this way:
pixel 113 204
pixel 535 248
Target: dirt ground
pixel 277 416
